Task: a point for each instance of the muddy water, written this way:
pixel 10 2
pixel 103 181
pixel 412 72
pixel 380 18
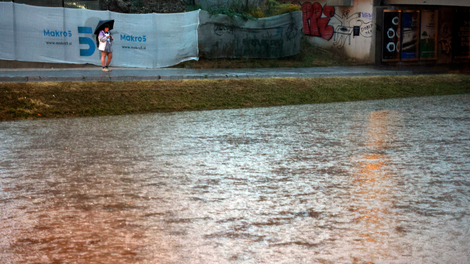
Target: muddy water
pixel 380 181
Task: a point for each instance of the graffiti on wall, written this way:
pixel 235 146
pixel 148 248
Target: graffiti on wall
pixel 337 24
pixel 313 22
pixel 347 23
pixel 223 37
pixel 233 41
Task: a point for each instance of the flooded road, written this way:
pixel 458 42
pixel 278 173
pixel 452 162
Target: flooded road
pixel 359 182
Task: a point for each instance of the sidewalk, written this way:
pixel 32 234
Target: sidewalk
pixel 132 74
pixel 138 74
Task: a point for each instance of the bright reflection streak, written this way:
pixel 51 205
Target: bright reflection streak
pixel 373 186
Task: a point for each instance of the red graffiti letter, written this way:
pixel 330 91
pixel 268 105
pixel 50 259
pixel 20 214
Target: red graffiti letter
pixel 317 10
pixel 329 11
pixel 311 12
pixel 314 24
pixel 307 11
pixel 326 31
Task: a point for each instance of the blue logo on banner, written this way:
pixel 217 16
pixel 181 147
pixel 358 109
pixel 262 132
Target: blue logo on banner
pixel 85 40
pixel 134 38
pixel 57 33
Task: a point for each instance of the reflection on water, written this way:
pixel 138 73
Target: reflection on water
pixel 372 184
pixel 380 182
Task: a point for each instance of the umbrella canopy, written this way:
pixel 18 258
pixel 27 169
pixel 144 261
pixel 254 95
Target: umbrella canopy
pixel 101 25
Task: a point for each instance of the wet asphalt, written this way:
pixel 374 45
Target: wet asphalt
pixel 91 73
pixel 130 74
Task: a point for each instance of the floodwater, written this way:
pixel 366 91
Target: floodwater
pixel 358 182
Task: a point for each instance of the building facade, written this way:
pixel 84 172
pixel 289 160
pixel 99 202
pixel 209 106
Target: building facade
pixel 390 31
pixel 424 31
pixel 372 31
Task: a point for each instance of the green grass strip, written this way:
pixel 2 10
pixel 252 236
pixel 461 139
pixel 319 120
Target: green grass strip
pixel 66 99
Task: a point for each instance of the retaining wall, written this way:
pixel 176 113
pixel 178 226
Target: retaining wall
pixel 232 37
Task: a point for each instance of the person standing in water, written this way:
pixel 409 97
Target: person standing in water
pixel 106 47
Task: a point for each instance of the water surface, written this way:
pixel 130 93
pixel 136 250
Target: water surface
pixel 377 181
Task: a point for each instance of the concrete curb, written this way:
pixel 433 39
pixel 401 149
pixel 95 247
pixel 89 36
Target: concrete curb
pixel 212 76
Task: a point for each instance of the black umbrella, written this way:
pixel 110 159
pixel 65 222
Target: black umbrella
pixel 101 25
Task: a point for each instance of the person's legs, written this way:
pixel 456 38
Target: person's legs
pixel 103 58
pixel 110 56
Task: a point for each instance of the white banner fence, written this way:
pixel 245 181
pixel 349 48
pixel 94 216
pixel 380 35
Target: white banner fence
pixel 65 35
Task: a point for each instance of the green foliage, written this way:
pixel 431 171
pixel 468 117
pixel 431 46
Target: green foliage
pixel 272 4
pixel 136 5
pixel 230 12
pixel 256 12
pixel 190 8
pixel 236 8
pixel 274 8
pixel 286 8
pixel 270 7
pixel 248 10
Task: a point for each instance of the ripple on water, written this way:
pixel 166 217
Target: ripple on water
pixel 378 181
